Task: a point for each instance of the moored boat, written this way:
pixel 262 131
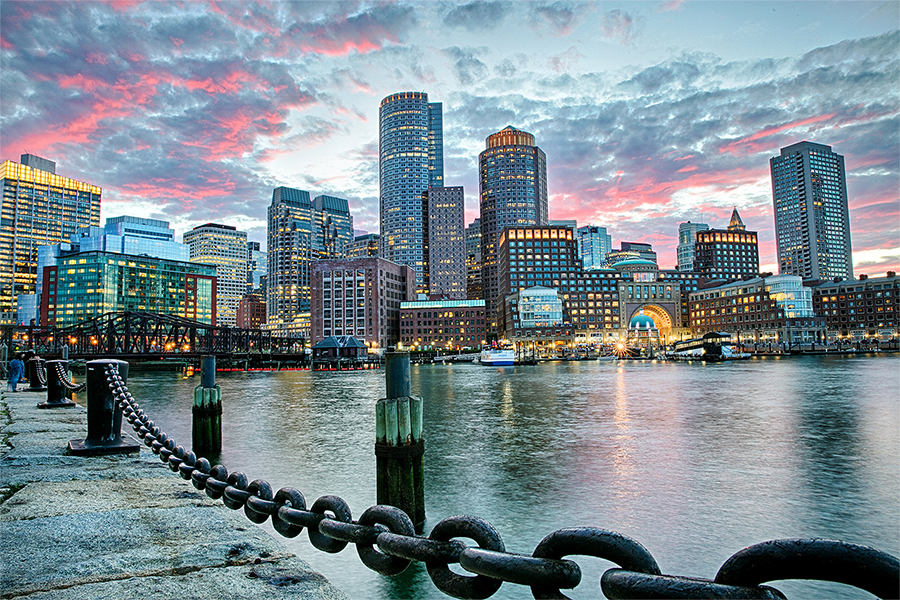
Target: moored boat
pixel 498 357
pixel 713 346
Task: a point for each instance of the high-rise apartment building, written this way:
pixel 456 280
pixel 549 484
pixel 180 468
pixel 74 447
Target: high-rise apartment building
pixel 39 208
pixel 812 217
pixel 473 261
pixel 299 231
pixel 225 248
pixel 411 160
pixel 687 238
pixel 594 243
pixel 729 254
pixel 446 243
pixel 512 192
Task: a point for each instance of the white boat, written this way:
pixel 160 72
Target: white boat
pixel 712 347
pixel 498 357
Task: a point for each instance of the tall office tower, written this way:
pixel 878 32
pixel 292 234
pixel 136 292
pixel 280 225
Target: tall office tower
pixel 473 261
pixel 593 246
pixel 812 218
pixel 39 208
pixel 256 269
pixel 364 246
pixel 411 160
pixel 729 254
pixel 446 243
pixel 225 248
pixel 300 231
pixel 513 192
pixel 687 238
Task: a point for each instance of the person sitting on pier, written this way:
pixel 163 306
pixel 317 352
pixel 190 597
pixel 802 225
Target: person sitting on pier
pixel 16 372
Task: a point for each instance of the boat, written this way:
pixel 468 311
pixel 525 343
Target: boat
pixel 712 347
pixel 498 357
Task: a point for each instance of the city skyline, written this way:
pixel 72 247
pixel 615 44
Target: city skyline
pixel 650 114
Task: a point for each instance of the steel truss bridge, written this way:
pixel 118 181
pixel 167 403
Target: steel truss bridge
pixel 143 335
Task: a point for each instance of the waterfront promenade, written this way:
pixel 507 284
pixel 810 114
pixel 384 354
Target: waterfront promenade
pixel 125 526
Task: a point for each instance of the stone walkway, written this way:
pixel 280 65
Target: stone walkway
pixel 123 526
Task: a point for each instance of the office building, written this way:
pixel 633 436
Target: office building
pixel 39 208
pixel 594 243
pixel 251 312
pixel 812 217
pixel 359 297
pixel 300 231
pixel 442 324
pixel 729 254
pixel 446 270
pixel 687 238
pixel 364 246
pixel 859 310
pixel 86 285
pixel 225 248
pixel 512 193
pixel 411 160
pixel 473 261
pixel 257 270
pixel 630 251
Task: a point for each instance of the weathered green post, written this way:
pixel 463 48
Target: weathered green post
pixel 399 443
pixel 206 431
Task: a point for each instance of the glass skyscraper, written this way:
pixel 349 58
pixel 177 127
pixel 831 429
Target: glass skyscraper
pixel 594 243
pixel 411 161
pixel 812 217
pixel 225 248
pixel 687 239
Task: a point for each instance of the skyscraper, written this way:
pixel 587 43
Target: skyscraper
pixel 812 217
pixel 300 231
pixel 225 248
pixel 411 160
pixel 446 243
pixel 513 192
pixel 593 246
pixel 39 208
pixel 730 254
pixel 687 238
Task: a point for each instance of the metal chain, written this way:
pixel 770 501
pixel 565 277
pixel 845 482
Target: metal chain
pixel 66 382
pixel 41 373
pixel 330 528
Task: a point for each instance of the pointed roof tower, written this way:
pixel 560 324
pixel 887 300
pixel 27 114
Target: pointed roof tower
pixel 736 224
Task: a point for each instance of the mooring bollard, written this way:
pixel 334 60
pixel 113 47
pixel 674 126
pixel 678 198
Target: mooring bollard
pixel 399 444
pixel 207 411
pixel 34 367
pixel 104 417
pixel 57 394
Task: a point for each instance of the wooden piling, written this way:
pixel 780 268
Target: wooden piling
pixel 206 424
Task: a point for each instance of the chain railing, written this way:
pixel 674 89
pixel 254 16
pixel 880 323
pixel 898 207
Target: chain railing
pixel 40 371
pixel 385 541
pixel 66 382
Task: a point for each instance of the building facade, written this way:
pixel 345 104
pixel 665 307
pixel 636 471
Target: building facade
pixel 364 246
pixel 812 215
pixel 446 273
pixel 85 285
pixel 687 238
pixel 728 254
pixel 594 243
pixel 631 250
pixel 299 232
pixel 257 269
pixel 359 297
pixel 225 248
pixel 39 208
pixel 411 160
pixel 442 324
pixel 251 312
pixel 473 261
pixel 512 192
pixel 861 309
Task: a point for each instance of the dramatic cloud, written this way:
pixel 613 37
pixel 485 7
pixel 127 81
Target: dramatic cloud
pixel 619 26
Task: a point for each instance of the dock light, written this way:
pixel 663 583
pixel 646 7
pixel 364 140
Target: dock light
pixel 72 340
pixel 186 347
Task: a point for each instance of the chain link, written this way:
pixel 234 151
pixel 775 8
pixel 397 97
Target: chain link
pixel 385 540
pixel 66 382
pixel 40 372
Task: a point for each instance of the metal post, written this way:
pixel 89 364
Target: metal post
pixel 33 367
pixel 104 417
pixel 399 443
pixel 4 355
pixel 206 424
pixel 57 394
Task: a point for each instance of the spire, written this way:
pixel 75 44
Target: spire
pixel 736 224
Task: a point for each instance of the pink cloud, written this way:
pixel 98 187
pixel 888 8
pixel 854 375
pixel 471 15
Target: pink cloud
pixel 747 144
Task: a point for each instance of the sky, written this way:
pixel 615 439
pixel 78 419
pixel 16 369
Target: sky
pixel 650 113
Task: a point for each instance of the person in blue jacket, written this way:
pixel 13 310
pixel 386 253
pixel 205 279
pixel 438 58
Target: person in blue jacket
pixel 16 372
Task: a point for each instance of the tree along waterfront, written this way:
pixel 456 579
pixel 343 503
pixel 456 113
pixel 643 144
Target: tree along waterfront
pixel 695 461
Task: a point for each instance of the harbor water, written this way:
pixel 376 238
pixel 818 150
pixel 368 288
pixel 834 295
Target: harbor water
pixel 695 461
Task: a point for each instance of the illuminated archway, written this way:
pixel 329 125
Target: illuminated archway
pixel 661 318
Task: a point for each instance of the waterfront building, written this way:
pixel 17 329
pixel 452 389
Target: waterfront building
pixel 687 239
pixel 363 246
pixel 727 254
pixel 442 324
pixel 473 261
pixel 39 208
pixel 225 248
pixel 656 294
pixel 85 285
pixel 299 232
pixel 359 297
pixel 774 310
pixel 642 335
pixel 257 269
pixel 446 270
pixel 812 216
pixel 594 243
pixel 410 161
pixel 512 192
pixel 631 250
pixel 861 309
pixel 251 312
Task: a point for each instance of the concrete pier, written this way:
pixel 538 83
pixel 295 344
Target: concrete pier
pixel 124 526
